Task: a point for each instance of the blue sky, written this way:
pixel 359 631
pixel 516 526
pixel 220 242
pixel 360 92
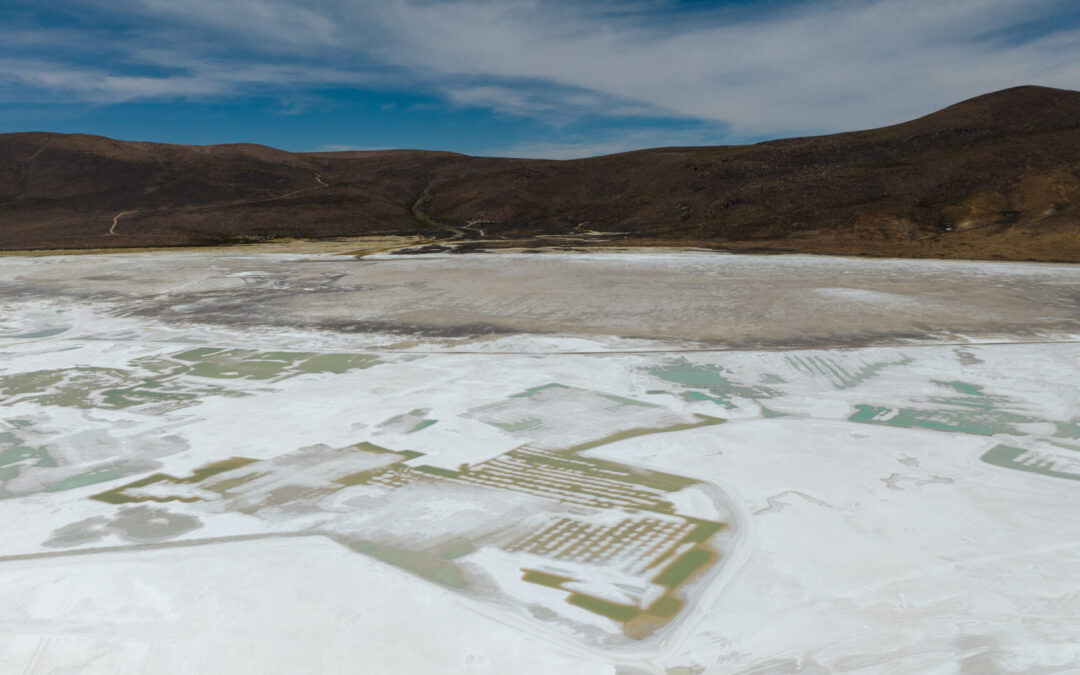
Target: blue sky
pixel 540 78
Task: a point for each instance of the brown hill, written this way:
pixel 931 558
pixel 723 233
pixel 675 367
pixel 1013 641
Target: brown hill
pixel 996 176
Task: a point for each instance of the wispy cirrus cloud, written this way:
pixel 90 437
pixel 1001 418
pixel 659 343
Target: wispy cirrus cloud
pixel 752 70
pixel 206 79
pixel 99 85
pixel 609 142
pixel 820 65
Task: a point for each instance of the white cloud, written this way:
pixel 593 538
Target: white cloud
pixel 609 142
pixel 814 67
pixel 821 66
pixel 100 85
pixel 503 99
pixel 557 150
pixel 336 147
pixel 268 23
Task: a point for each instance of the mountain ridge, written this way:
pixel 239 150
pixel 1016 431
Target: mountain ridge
pixel 996 176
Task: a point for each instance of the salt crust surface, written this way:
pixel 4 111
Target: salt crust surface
pixel 859 547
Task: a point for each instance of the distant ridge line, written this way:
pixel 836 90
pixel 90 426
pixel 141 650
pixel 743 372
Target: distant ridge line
pixel 992 177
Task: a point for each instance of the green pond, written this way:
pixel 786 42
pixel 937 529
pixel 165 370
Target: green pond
pixel 712 379
pixel 1008 457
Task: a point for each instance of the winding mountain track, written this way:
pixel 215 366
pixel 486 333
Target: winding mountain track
pixel 116 219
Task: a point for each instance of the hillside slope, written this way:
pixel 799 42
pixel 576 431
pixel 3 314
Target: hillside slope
pixel 996 176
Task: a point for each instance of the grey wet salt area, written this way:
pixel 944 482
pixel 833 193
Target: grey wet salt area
pixel 134 524
pixel 707 298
